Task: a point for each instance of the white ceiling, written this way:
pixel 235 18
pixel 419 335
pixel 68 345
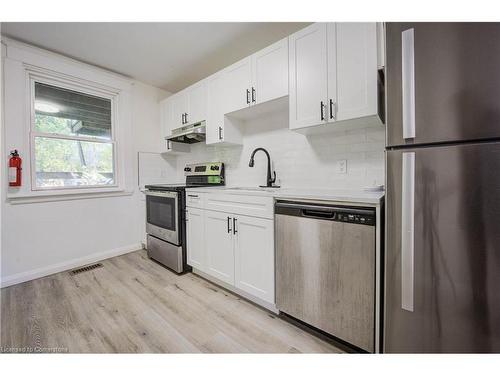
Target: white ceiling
pixel 168 55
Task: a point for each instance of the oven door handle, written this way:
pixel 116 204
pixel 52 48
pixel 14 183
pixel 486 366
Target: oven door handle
pixel 166 194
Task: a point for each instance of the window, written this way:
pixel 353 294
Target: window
pixel 72 138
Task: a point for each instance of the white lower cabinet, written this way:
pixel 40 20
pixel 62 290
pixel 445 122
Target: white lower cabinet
pixel 234 248
pixel 195 227
pixel 254 256
pixel 219 246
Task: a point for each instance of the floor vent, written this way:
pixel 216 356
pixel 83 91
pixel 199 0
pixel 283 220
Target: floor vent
pixel 76 271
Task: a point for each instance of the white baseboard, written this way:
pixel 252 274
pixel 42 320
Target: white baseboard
pixel 64 266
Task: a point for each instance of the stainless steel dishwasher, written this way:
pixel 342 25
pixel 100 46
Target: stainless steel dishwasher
pixel 325 268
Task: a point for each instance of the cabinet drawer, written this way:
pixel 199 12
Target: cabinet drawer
pixel 241 204
pixel 194 199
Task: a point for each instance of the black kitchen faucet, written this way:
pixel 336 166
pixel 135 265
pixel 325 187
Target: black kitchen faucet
pixel 270 180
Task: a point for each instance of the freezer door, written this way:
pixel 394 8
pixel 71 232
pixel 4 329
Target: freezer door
pixel 442 279
pixel 443 82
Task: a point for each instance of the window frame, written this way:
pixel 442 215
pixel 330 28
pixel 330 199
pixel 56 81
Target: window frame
pixel 84 88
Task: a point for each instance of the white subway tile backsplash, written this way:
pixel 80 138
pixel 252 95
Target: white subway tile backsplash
pixel 300 161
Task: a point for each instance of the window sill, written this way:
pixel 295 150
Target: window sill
pixel 53 196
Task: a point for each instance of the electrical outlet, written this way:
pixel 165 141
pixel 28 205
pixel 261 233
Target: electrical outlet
pixel 341 166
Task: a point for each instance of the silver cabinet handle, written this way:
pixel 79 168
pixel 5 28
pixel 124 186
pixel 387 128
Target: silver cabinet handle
pixel 407 230
pixel 253 95
pixel 408 82
pixel 322 106
pixel 168 145
pixel 229 225
pixel 248 96
pixel 220 132
pixel 234 226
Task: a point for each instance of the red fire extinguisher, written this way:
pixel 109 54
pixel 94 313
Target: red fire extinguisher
pixel 15 169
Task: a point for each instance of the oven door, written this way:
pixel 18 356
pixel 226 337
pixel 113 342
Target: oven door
pixel 162 215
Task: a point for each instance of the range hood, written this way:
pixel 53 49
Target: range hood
pixel 189 134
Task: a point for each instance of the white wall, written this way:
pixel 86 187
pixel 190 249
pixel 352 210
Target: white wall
pixel 42 238
pixel 300 161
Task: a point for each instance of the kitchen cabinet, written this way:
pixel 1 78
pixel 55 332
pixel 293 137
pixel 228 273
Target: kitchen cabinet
pixel 231 239
pixel 215 122
pixel 259 78
pixel 308 76
pixel 197 100
pixel 236 93
pixel 189 106
pixel 270 73
pixel 167 124
pixel 219 246
pixel 356 70
pixel 166 116
pixel 254 256
pixel 179 108
pixel 220 129
pixel 195 229
pixel 333 75
pixel 256 79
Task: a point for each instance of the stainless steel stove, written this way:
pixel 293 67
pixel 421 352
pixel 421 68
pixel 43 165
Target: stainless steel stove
pixel 166 214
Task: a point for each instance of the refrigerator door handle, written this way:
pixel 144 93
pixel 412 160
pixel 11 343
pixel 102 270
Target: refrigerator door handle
pixel 408 83
pixel 407 230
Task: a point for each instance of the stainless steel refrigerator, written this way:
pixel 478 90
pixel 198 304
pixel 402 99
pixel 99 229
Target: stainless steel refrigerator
pixel 442 260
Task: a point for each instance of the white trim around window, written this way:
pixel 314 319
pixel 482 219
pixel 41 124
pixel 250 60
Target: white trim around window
pixel 34 77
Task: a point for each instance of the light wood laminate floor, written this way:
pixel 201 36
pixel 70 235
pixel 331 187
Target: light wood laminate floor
pixel 133 304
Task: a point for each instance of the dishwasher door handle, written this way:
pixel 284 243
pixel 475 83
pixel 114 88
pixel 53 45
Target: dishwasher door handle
pixel 318 213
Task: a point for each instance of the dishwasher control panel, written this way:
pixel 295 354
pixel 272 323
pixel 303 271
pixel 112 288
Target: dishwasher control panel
pixel 344 214
pixel 356 218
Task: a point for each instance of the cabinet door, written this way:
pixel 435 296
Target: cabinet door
pixel 179 107
pixel 195 226
pixel 219 246
pixel 215 121
pixel 166 117
pixel 197 103
pixel 352 70
pixel 237 86
pixel 308 76
pixel 254 256
pixel 270 72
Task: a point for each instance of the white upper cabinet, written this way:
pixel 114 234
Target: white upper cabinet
pixel 189 106
pixel 166 117
pixel 333 74
pixel 168 123
pixel 179 108
pixel 270 73
pixel 236 91
pixel 215 118
pixel 197 98
pixel 308 76
pixel 356 69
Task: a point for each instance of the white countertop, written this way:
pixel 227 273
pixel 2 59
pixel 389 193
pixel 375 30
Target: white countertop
pixel 337 195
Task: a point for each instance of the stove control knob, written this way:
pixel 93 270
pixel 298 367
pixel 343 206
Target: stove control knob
pixel 187 169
